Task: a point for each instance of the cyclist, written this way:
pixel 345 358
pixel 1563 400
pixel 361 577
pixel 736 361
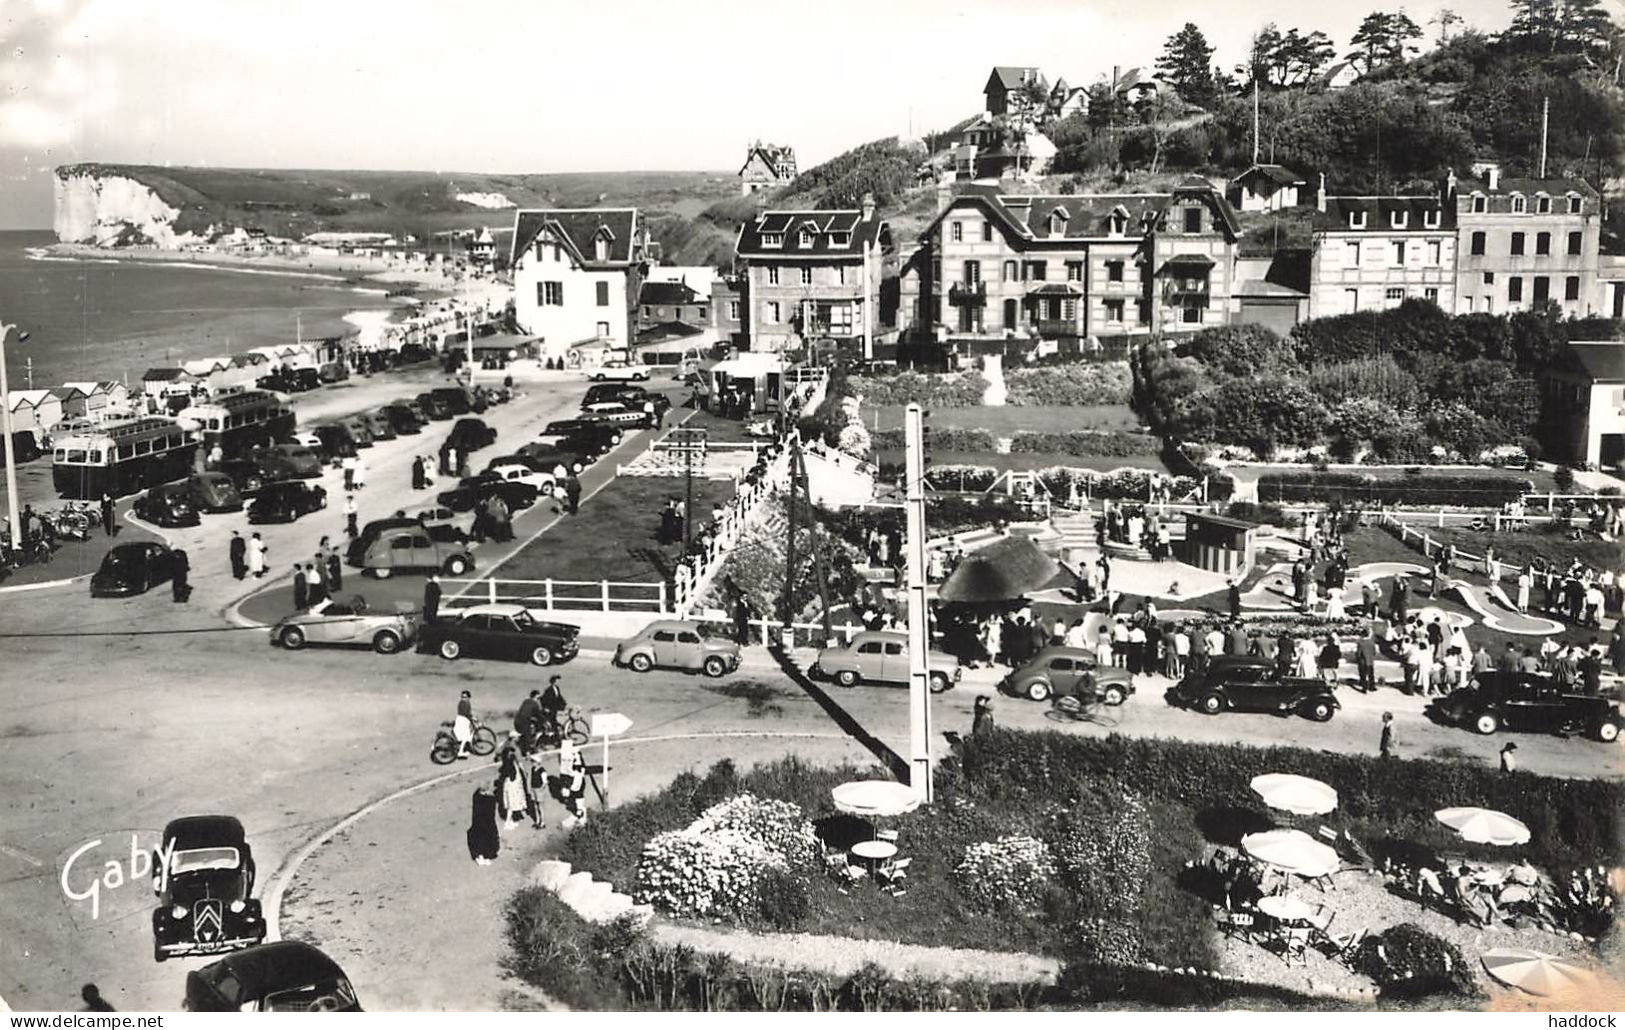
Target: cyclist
pixel 463 727
pixel 552 703
pixel 527 721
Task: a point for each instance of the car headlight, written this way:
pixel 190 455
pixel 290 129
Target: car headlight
pixel 179 912
pixel 237 906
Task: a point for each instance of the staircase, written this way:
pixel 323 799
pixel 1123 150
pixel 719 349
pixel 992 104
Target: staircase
pixel 1077 535
pixel 993 371
pixel 592 900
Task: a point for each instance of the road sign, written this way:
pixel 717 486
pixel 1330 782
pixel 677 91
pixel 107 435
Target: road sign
pixel 609 724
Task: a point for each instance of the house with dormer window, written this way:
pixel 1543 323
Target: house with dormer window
pixel 1376 252
pixel 577 274
pixel 813 276
pixel 1524 242
pixel 767 167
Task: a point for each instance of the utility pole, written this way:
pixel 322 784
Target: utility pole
pixel 1545 121
pixel 13 522
pixel 919 631
pixel 1255 118
pixel 788 602
pixel 28 370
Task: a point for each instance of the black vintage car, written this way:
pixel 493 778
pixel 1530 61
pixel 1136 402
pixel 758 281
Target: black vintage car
pixel 131 569
pixel 403 418
pixel 203 874
pixel 625 393
pixel 1244 683
pixel 168 506
pixel 475 489
pixel 455 399
pixel 545 458
pixel 286 501
pixel 1528 702
pixel 24 446
pixel 505 631
pixel 604 435
pixel 291 380
pixel 249 474
pixel 285 976
pixel 471 434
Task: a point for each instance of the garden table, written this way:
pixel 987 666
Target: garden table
pixel 873 851
pixel 1285 908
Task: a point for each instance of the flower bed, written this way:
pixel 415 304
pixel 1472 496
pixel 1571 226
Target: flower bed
pixel 1118 484
pixel 1083 445
pixel 1102 383
pixel 945 390
pixel 1418 488
pixel 1010 874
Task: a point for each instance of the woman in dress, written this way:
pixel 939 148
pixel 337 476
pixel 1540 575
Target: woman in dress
pixel 484 842
pixel 514 802
pixel 1524 582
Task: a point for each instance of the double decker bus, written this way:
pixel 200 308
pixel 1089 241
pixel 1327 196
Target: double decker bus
pixel 122 458
pixel 239 422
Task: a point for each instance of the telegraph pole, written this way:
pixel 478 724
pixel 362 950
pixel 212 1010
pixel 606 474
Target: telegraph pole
pixel 13 525
pixel 919 633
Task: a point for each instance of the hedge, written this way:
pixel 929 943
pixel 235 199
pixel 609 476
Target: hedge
pixel 941 439
pixel 1418 488
pixel 1071 385
pixel 1118 444
pixel 950 390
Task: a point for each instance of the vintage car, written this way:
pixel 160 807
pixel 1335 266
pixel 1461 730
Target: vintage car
pixel 604 435
pixel 600 392
pixel 471 434
pixel 881 656
pixel 382 426
pixel 167 506
pixel 619 372
pixel 630 414
pixel 673 644
pixel 360 427
pixel 286 502
pixel 131 569
pixel 454 399
pixel 284 976
pixel 300 460
pixel 1068 672
pixel 509 631
pixel 1529 702
pixel 1245 683
pixel 442 522
pixel 214 492
pixel 24 445
pixel 471 491
pixel 517 470
pixel 336 441
pixel 248 474
pixel 416 548
pixel 402 418
pixel 203 874
pixel 347 621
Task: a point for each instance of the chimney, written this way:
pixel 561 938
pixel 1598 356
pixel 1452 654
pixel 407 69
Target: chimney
pixel 1495 177
pixel 945 193
pixel 1449 186
pixel 1320 197
pixel 868 207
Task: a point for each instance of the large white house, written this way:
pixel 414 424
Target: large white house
pixel 576 276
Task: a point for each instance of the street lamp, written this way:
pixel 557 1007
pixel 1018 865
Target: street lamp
pixel 12 523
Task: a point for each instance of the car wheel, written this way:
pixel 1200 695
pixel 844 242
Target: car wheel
pixel 598 378
pixel 1113 695
pixel 715 667
pixel 1486 723
pixel 158 953
pixel 541 656
pixel 1211 704
pixel 456 565
pixel 640 663
pixel 386 642
pixel 382 573
pixel 1608 732
pixel 939 682
pixel 641 377
pixel 293 638
pixel 1319 711
pixel 1037 690
pixel 451 650
pixel 846 678
pixel 321 501
pixel 547 489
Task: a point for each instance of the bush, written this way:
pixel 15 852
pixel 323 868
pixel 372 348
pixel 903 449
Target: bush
pixel 782 900
pixel 1071 385
pixel 704 873
pixel 1087 445
pixel 780 825
pixel 1422 489
pixel 1406 961
pixel 941 440
pixel 933 390
pixel 1010 874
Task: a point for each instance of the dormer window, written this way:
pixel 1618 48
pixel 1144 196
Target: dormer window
pixel 1543 204
pixel 1117 223
pixel 804 238
pixel 600 249
pixel 1057 222
pixel 1356 219
pixel 1481 203
pixel 1399 219
pixel 773 239
pixel 1574 203
pixel 1520 204
pixel 1430 219
pixel 840 239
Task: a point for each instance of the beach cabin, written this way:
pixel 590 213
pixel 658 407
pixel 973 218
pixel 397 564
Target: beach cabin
pixel 211 373
pixel 1218 544
pixel 73 400
pixel 104 399
pixel 167 382
pixel 34 411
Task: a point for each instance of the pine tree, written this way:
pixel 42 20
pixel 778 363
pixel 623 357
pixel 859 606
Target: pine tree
pixel 1583 25
pixel 1383 38
pixel 1187 64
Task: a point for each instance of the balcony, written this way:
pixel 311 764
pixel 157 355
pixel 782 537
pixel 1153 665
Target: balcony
pixel 970 295
pixel 1052 327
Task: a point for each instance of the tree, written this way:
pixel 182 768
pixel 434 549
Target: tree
pixel 1444 19
pixel 1583 25
pixel 1187 64
pixel 1533 21
pixel 1383 38
pixel 1262 55
pixel 1300 57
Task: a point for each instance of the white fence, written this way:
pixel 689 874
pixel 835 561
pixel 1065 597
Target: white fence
pixel 696 572
pixel 558 594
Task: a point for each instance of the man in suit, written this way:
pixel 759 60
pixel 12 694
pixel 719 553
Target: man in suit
pixel 180 587
pixel 239 555
pixel 109 524
pixel 301 588
pixel 431 599
pixel 1365 659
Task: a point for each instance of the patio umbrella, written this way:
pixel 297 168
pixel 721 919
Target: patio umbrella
pixel 1535 971
pixel 1299 795
pixel 1006 570
pixel 1484 825
pixel 875 798
pixel 1292 851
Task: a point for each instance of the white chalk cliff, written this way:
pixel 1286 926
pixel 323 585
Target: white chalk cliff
pixel 106 210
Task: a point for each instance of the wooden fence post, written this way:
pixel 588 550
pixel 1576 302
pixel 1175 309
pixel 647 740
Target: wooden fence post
pixel 604 586
pixel 663 609
pixel 491 590
pixel 547 591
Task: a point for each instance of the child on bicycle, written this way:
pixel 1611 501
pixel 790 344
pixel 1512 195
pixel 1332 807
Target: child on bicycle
pixel 463 726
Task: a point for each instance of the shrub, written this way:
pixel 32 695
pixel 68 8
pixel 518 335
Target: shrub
pixel 1008 874
pixel 1564 478
pixel 941 439
pixel 783 900
pixel 704 874
pixel 1085 445
pixel 946 390
pixel 778 824
pixel 1423 489
pixel 1107 382
pixel 1406 961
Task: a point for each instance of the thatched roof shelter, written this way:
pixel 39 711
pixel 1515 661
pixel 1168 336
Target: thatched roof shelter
pixel 1007 570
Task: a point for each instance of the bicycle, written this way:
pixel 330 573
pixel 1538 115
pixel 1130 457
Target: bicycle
pixel 573 725
pixel 445 748
pixel 1090 708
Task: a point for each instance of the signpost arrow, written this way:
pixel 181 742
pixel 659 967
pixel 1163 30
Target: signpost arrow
pixel 607 725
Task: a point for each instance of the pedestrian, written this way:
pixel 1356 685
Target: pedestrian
pixel 1365 660
pixel 256 556
pixel 335 572
pixel 462 727
pixel 109 524
pixel 572 490
pixel 741 620
pixel 301 589
pixel 1385 745
pixel 573 774
pixel 1233 596
pixel 238 550
pixel 1509 763
pixel 360 472
pixel 417 473
pixel 347 463
pixel 91 995
pixel 527 720
pixel 514 800
pixel 1399 600
pixel 484 842
pixel 350 514
pixel 431 599
pixel 180 587
pixel 315 584
pixel 981 719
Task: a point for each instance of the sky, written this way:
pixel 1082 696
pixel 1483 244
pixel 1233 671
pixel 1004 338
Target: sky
pixel 551 86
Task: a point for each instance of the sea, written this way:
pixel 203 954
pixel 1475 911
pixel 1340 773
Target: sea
pixel 114 317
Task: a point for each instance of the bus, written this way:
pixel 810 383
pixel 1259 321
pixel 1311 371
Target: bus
pixel 239 422
pixel 122 458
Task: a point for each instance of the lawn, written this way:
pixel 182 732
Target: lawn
pixel 1010 420
pixel 1022 462
pixel 1542 480
pixel 1538 541
pixel 613 537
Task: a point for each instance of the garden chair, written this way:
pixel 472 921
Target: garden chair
pixel 889 836
pixel 850 875
pixel 1238 925
pixel 893 873
pixel 1294 943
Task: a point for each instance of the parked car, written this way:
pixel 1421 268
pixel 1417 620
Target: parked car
pixel 336 441
pixel 203 874
pixel 167 506
pixel 620 372
pixel 370 532
pixel 249 474
pixel 508 631
pixel 347 621
pixel 411 353
pixel 1531 703
pixel 284 976
pixel 625 393
pixel 415 406
pixel 625 413
pixel 24 445
pixel 286 502
pixel 471 434
pixel 471 491
pixel 517 470
pixel 1068 672
pixel 439 518
pixel 455 399
pixel 881 656
pixel 334 372
pixel 1245 683
pixel 415 549
pixel 293 380
pixel 674 644
pixel 434 407
pixel 298 460
pixel 383 428
pixel 360 427
pixel 402 419
pixel 131 569
pixel 546 458
pixel 604 435
pixel 214 492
